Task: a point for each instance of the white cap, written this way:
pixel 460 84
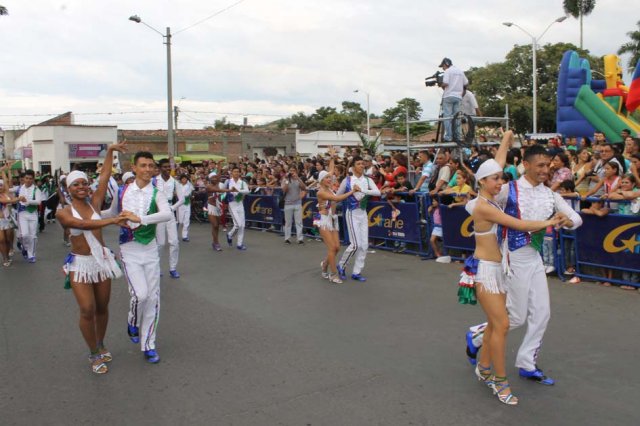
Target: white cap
pixel 212 174
pixel 127 176
pixel 75 175
pixel 323 174
pixel 488 168
pixel 62 177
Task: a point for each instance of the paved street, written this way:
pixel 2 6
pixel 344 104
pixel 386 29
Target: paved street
pixel 257 338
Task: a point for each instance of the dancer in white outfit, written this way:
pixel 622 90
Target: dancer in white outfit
pixel 355 215
pixel 527 288
pixel 30 198
pixel 91 266
pixel 487 269
pixel 139 251
pixel 169 231
pixel 185 188
pixel 237 190
pixel 6 210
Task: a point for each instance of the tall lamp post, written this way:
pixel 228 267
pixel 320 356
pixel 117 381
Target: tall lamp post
pixel 368 114
pixel 171 148
pixel 534 48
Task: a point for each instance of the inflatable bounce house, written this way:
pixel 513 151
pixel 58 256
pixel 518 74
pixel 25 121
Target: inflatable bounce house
pixel 585 105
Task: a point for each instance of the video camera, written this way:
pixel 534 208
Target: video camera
pixel 435 79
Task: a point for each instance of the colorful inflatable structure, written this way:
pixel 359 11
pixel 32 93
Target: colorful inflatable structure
pixel 586 105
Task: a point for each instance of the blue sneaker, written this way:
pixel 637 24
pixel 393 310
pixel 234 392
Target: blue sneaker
pixel 32 260
pixel 472 350
pixel 229 240
pixel 358 277
pixel 186 240
pixel 242 247
pixel 133 333
pixel 537 376
pixel 174 274
pixel 152 356
pixel 341 272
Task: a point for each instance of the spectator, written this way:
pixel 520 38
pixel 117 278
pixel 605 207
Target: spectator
pixel 609 184
pixel 462 189
pixel 427 171
pixel 560 169
pixel 581 170
pixel 443 176
pixel 294 190
pixel 436 232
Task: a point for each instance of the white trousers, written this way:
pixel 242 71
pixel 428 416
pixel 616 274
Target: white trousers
pixel 184 217
pixel 527 301
pixel 237 214
pixel 28 224
pixel 293 212
pixel 169 231
pixel 358 227
pixel 141 266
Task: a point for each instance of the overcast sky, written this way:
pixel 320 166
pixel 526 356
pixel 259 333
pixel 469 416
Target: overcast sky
pixel 262 58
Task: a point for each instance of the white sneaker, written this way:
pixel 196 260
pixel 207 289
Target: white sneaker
pixel 549 269
pixel 444 259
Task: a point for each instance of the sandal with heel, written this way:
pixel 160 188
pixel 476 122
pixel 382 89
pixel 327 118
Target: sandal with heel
pixel 484 375
pixel 498 385
pixel 98 365
pixel 335 279
pixel 323 268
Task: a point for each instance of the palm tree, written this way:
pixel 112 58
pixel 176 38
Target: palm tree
pixel 3 10
pixel 632 47
pixel 578 9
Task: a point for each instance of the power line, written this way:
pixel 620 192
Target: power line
pixel 210 16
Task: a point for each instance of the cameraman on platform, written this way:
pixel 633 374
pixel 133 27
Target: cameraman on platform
pixel 454 83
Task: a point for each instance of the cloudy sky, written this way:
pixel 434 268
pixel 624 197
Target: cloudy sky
pixel 262 58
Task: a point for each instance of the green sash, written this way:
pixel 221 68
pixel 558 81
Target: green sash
pixel 146 233
pixel 536 239
pixel 187 200
pixel 32 208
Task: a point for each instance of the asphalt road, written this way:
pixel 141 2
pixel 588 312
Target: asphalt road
pixel 258 338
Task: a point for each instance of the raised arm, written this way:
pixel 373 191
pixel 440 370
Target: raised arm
pixel 105 174
pixel 505 145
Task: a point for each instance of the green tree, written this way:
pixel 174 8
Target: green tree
pixel 632 47
pixel 578 9
pixel 355 112
pixel 223 124
pixel 510 82
pixel 396 117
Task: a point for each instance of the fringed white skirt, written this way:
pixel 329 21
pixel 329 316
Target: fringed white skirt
pixel 328 222
pixel 87 270
pixel 5 224
pixel 490 277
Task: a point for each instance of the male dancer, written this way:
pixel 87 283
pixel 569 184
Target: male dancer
pixel 139 252
pixel 238 188
pixel 169 230
pixel 30 197
pixel 185 188
pixel 355 215
pixel 527 288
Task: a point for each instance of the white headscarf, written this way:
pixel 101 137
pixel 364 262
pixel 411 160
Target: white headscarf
pixel 488 168
pixel 127 176
pixel 323 174
pixel 74 176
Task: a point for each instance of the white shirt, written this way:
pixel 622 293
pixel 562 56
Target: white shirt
pixel 138 201
pixel 28 194
pixel 168 189
pixel 240 185
pixel 455 80
pixel 185 189
pixel 366 185
pixel 539 202
pixel 469 103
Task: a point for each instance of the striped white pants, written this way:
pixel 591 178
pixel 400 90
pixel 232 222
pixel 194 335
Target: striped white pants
pixel 357 223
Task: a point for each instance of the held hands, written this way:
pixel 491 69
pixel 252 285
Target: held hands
pixel 129 216
pixel 560 220
pixel 356 188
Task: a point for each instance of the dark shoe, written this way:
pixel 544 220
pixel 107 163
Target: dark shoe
pixel 133 334
pixel 358 277
pixel 152 356
pixel 472 350
pixel 174 274
pixel 287 242
pixel 229 240
pixel 186 240
pixel 342 273
pixel 537 376
pixel 242 247
pixel 301 242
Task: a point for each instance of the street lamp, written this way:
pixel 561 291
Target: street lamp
pixel 534 47
pixel 171 148
pixel 368 114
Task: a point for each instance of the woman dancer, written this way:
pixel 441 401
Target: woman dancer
pixel 327 222
pixel 91 266
pixel 214 208
pixel 490 274
pixel 6 227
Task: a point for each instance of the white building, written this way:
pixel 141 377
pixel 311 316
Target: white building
pixel 310 144
pixel 60 144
